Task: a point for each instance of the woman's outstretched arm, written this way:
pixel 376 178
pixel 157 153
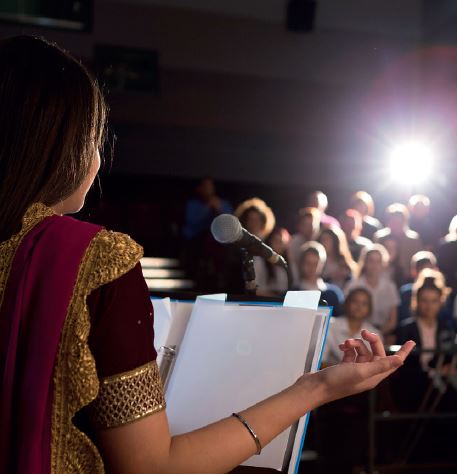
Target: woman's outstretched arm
pixel 146 446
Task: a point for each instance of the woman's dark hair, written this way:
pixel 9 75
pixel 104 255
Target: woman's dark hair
pixel 350 296
pixel 52 120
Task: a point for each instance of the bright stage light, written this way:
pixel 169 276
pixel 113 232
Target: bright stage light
pixel 411 163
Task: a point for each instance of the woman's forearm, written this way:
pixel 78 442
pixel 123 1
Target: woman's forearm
pixel 223 445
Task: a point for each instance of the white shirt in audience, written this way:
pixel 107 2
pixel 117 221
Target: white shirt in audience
pixel 278 284
pixel 385 296
pixel 338 332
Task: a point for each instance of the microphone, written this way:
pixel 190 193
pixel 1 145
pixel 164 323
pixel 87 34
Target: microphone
pixel 227 229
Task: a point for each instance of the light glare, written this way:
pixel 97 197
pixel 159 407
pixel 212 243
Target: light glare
pixel 411 163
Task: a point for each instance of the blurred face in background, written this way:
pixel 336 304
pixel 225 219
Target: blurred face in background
pixel 278 243
pixel 328 244
pixel 374 265
pixel 309 266
pixel 348 226
pixel 361 207
pixel 396 223
pixel 358 306
pixel 206 189
pixel 306 227
pixel 254 223
pixel 428 303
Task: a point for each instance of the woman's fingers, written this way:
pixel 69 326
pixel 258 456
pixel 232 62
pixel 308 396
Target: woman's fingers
pixel 363 353
pixel 375 342
pixel 405 349
pixel 349 353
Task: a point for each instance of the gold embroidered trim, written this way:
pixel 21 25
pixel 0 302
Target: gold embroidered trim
pixel 108 256
pixel 128 396
pixel 34 214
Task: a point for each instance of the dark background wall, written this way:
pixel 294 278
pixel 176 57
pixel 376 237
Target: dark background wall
pixel 270 112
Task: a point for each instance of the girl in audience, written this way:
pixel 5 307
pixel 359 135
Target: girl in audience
pixel 431 333
pixel 272 280
pixel 311 262
pixel 373 277
pixel 340 266
pixel 357 309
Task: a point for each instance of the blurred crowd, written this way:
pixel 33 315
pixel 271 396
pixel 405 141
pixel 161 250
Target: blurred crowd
pixel 397 278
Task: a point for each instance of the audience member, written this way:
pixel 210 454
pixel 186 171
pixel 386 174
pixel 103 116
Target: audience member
pixel 310 265
pixel 339 267
pixel 272 280
pixel 407 241
pixel 256 217
pixel 447 255
pixel 428 331
pixel 351 225
pixel 202 209
pixel 394 269
pixel 319 200
pixel 199 251
pixel 419 261
pixel 372 276
pixel 307 230
pixel 362 202
pixel 357 309
pixel 420 220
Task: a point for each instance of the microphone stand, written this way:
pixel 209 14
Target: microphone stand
pixel 250 285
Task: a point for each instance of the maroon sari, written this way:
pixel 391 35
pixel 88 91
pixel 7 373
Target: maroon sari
pixel 47 370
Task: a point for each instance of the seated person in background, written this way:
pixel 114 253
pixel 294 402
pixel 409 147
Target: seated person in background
pixel 421 220
pixel 429 332
pixel 394 269
pixel 419 261
pixel 272 280
pixel 362 202
pixel 408 242
pixel 339 267
pixel 357 309
pixel 351 225
pixel 372 276
pixel 311 262
pixel 256 217
pixel 447 255
pixel 203 208
pixel 307 230
pixel 319 200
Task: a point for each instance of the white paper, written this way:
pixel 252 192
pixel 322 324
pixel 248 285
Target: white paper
pixel 302 299
pixel 232 356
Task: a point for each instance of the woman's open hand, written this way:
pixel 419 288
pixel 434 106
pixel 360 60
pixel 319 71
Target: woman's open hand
pixel 360 368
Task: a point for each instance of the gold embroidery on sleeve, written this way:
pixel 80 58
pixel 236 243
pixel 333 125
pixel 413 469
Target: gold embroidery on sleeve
pixel 76 384
pixel 128 396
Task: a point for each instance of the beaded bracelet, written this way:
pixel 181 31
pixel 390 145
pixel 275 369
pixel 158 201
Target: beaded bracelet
pixel 251 431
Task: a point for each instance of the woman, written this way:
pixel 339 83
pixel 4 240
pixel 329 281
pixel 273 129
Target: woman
pixel 339 267
pixel 372 276
pixel 80 387
pixel 311 261
pixel 432 333
pixel 256 217
pixel 357 309
pixel 273 280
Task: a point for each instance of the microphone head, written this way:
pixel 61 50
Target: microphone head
pixel 226 229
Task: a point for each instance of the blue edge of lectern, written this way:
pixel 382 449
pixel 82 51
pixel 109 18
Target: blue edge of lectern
pixel 262 303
